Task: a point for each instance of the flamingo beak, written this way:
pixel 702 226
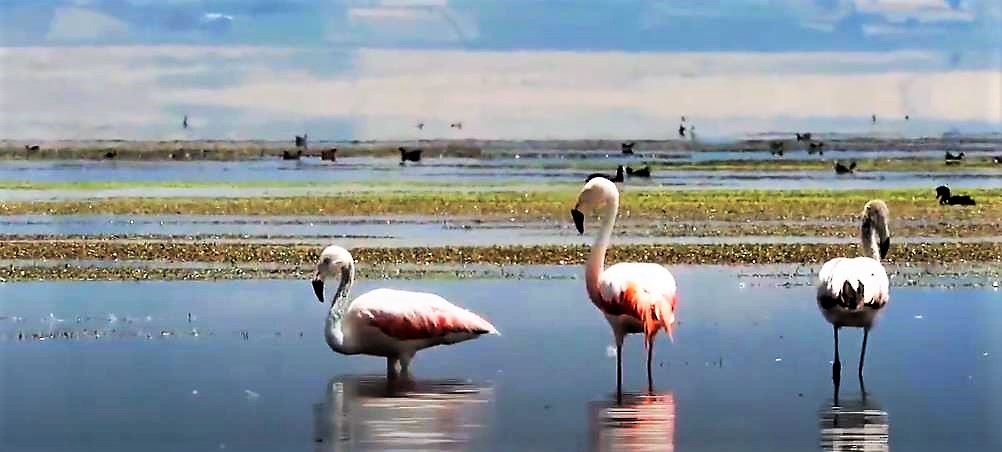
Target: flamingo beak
pixel 578 220
pixel 885 246
pixel 318 287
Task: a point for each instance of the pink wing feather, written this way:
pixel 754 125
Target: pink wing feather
pixel 645 292
pixel 408 315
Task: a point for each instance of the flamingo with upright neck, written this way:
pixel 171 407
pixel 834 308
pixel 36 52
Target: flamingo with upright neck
pixel 852 291
pixel 634 297
pixel 386 322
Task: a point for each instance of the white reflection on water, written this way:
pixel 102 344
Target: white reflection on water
pixel 857 424
pixel 372 413
pixel 640 423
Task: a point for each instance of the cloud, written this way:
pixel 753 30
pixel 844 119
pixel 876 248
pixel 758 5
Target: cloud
pixel 79 24
pixel 405 23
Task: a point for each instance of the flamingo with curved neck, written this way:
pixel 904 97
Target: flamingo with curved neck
pixel 634 297
pixel 852 291
pixel 395 324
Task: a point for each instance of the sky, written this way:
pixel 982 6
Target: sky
pixel 506 69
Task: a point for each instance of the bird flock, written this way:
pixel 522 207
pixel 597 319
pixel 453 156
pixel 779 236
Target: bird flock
pixel 633 297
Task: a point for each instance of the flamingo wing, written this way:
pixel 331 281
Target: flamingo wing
pixel 406 315
pixel 644 292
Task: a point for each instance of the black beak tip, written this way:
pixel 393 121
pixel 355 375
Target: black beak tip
pixel 578 220
pixel 318 289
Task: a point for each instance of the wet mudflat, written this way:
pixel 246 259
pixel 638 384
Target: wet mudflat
pixel 121 366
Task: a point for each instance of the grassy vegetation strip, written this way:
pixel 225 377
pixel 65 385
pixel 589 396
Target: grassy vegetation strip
pixel 496 255
pixel 684 205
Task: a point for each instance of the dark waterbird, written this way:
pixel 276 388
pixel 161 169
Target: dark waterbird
pixel 953 157
pixel 457 125
pixel 816 147
pixel 842 169
pixel 776 147
pixel 31 147
pixel 291 155
pixel 617 178
pixel 110 155
pixel 301 141
pixel 803 136
pixel 997 160
pixel 681 130
pixel 627 147
pixel 329 155
pixel 639 172
pixel 947 198
pixel 409 155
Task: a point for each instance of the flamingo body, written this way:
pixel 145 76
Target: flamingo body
pixel 637 298
pixel 870 291
pixel 390 323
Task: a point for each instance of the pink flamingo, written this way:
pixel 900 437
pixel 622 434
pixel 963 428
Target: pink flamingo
pixel 634 297
pixel 852 291
pixel 387 322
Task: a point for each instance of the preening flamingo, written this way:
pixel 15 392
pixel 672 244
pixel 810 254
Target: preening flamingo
pixel 634 297
pixel 387 322
pixel 852 291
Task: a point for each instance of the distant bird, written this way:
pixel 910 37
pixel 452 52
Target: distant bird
pixel 776 147
pixel 456 125
pixel 301 141
pixel 184 122
pixel 394 324
pixel 681 130
pixel 816 146
pixel 627 147
pixel 683 118
pixel 953 157
pixel 292 155
pixel 873 119
pixel 329 155
pixel 945 197
pixel 852 291
pixel 639 172
pixel 110 155
pixel 633 297
pixel 842 169
pixel 907 117
pixel 803 136
pixel 420 126
pixel 997 160
pixel 409 155
pixel 31 147
pixel 618 178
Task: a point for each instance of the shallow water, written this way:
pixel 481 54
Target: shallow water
pixel 748 370
pixel 463 172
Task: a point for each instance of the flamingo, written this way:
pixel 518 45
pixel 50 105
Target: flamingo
pixel 634 297
pixel 852 291
pixel 386 322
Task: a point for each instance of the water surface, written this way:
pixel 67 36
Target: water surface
pixel 749 370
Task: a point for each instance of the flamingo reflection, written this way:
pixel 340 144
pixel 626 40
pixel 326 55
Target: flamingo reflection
pixel 642 422
pixel 373 413
pixel 857 424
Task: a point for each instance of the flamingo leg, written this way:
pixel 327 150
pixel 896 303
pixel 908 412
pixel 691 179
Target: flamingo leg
pixel 391 367
pixel 862 353
pixel 619 368
pixel 405 364
pixel 836 364
pixel 650 358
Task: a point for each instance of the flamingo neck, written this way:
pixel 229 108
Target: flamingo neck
pixel 596 260
pixel 334 331
pixel 870 245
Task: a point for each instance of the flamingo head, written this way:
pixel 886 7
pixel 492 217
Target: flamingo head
pixel 595 194
pixel 875 225
pixel 334 262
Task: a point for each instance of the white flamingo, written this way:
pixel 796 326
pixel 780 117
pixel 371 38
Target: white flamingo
pixel 385 322
pixel 634 297
pixel 852 291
